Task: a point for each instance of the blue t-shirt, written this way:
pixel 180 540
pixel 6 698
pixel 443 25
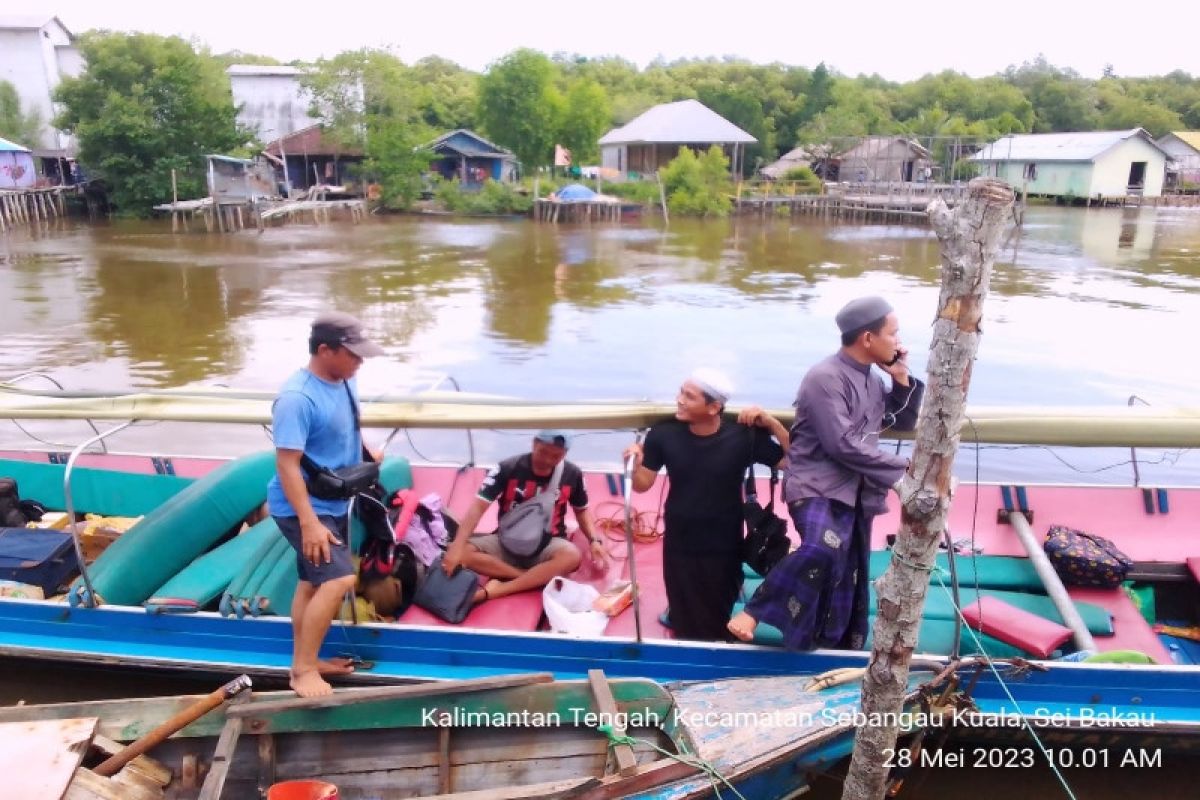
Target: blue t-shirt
pixel 314 416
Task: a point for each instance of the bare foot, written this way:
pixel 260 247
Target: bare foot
pixel 488 591
pixel 742 626
pixel 310 684
pixel 335 666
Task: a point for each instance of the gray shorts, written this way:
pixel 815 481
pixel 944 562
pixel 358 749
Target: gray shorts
pixel 489 543
pixel 340 564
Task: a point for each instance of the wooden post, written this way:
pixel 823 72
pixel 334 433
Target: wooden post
pixel 662 195
pixel 970 238
pixel 174 203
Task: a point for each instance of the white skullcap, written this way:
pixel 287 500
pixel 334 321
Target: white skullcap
pixel 714 383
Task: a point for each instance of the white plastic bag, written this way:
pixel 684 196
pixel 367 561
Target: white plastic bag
pixel 568 607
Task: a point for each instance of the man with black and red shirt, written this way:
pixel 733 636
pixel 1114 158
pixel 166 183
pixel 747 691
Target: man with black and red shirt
pixel 513 481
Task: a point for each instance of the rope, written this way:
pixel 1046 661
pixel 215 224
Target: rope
pixel 612 525
pixel 1007 692
pixel 692 761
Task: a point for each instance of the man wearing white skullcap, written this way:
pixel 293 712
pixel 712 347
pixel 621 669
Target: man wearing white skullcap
pixel 705 456
pixel 837 482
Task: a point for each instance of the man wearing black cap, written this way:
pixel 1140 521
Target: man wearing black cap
pixel 513 481
pixel 316 416
pixel 837 481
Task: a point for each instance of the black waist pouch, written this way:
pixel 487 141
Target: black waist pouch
pixel 339 484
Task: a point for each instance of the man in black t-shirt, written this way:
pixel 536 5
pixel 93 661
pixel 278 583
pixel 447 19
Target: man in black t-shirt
pixel 706 458
pixel 510 482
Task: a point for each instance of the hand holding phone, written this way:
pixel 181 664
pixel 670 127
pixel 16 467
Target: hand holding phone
pixel 899 354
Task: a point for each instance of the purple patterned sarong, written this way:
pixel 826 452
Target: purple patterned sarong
pixel 818 594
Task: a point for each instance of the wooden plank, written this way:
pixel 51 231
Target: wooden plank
pixel 39 758
pixel 444 760
pixel 648 776
pixel 349 697
pixel 556 790
pixel 142 764
pixel 266 762
pixel 214 782
pixel 623 753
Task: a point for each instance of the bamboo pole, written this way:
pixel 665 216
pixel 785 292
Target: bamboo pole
pixel 970 238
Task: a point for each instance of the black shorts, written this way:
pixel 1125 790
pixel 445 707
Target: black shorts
pixel 340 564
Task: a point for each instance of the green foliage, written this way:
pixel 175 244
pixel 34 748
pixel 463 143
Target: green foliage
pixel 964 170
pixel 644 192
pixel 698 185
pixel 520 108
pixel 21 128
pixel 144 105
pixel 805 179
pixel 447 94
pixel 369 99
pixel 491 198
pixel 586 117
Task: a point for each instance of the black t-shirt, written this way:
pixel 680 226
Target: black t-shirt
pixel 704 504
pixel 512 481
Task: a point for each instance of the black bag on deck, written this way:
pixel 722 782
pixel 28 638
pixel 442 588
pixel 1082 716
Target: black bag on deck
pixel 37 557
pixel 766 541
pixel 449 598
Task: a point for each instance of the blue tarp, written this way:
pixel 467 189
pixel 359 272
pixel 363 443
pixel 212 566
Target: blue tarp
pixel 576 192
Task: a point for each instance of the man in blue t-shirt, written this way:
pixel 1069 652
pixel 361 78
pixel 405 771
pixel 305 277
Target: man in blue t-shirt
pixel 316 415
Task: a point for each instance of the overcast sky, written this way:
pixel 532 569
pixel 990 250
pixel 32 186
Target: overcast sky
pixel 900 41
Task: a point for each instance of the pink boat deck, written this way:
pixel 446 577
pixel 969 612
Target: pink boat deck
pixel 1117 513
pixel 1114 512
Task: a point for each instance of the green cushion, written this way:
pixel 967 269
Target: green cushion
pixel 206 577
pixel 96 491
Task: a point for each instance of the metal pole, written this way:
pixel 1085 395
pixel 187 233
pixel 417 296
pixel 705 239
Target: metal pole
pixel 637 606
pixel 1054 584
pixel 90 599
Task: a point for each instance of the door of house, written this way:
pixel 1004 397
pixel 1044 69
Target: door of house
pixel 1137 177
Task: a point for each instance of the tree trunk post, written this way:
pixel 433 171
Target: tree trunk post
pixel 970 238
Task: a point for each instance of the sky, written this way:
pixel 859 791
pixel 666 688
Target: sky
pixel 899 41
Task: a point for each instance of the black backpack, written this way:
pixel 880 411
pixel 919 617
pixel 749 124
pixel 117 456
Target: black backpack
pixel 15 512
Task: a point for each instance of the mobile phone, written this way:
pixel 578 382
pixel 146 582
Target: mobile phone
pixel 895 358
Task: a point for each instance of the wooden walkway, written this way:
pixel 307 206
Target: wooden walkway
pixel 884 202
pixel 231 217
pixel 550 210
pixel 27 206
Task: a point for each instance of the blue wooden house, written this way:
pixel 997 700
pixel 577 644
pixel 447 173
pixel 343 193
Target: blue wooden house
pixel 466 156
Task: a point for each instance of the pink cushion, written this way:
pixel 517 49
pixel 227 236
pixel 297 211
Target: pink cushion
pixel 517 612
pixel 1017 627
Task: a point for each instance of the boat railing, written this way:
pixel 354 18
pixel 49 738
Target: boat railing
pixel 90 599
pixel 49 378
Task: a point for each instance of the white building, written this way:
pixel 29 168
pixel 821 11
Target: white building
pixel 36 53
pixel 1184 149
pixel 1078 165
pixel 270 100
pixel 653 138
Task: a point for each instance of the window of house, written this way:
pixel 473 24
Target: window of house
pixel 1031 172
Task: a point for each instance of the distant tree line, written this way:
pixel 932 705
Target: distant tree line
pixel 146 103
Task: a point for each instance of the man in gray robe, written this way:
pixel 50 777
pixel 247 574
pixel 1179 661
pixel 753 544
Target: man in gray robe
pixel 836 482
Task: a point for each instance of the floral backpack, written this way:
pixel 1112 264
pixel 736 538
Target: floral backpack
pixel 1084 559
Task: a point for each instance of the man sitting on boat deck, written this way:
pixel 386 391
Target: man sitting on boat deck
pixel 836 482
pixel 510 482
pixel 706 458
pixel 315 420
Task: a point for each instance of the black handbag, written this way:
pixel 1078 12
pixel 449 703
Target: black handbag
pixel 766 541
pixel 448 597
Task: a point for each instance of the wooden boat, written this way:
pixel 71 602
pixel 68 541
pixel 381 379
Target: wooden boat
pixel 1153 525
pixel 511 737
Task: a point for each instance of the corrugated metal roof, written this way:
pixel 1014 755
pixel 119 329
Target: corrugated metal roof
pixel 495 151
pixel 1190 138
pixel 11 147
pixel 684 122
pixel 31 22
pixel 1082 146
pixel 263 69
pixel 309 141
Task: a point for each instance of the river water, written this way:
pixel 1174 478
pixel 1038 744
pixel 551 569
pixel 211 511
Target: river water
pixel 1087 307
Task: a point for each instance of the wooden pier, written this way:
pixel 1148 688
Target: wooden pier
pixel 547 209
pixel 28 206
pixel 230 217
pixel 883 202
